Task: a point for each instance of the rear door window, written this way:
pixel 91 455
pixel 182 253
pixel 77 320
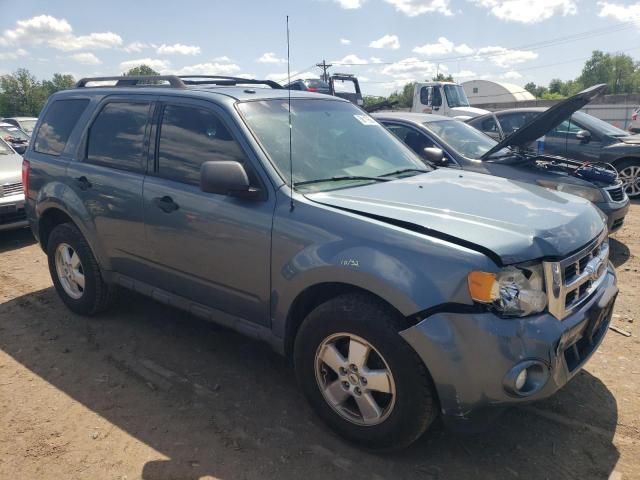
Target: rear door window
pixel 116 137
pixel 190 136
pixel 57 125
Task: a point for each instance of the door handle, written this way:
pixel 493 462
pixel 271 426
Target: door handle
pixel 166 204
pixel 83 183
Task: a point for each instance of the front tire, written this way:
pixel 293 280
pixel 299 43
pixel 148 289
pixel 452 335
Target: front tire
pixel 629 172
pixel 360 376
pixel 75 271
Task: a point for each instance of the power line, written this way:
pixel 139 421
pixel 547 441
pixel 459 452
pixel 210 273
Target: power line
pixel 532 46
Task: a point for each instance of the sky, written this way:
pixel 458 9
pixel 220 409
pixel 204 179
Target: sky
pixel 386 43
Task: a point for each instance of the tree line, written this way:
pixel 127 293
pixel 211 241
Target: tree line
pixel 22 94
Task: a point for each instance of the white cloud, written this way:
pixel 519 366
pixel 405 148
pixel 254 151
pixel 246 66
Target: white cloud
pixel 13 55
pixel 375 60
pixel 412 68
pixel 350 4
pixel 56 33
pixel 511 75
pixel 528 11
pixel 464 74
pixel 209 68
pixel 349 60
pixel 271 57
pixel 443 47
pixel 620 12
pixel 86 58
pixel 388 41
pixel 154 63
pixel 136 47
pixel 178 49
pixel 413 8
pixel 504 57
pixel 345 41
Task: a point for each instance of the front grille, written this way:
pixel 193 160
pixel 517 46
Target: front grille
pixel 572 280
pixel 616 193
pixel 10 189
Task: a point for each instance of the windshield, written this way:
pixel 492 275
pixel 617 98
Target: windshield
pixel 5 149
pixel 28 125
pixel 456 96
pixel 11 132
pixel 590 122
pixel 464 138
pixel 329 139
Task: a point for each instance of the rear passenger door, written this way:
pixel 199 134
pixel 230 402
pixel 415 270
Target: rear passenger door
pixel 108 179
pixel 212 249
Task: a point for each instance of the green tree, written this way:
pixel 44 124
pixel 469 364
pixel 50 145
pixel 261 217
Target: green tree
pixel 556 86
pixel 441 77
pixel 22 94
pixel 622 78
pixel 597 69
pixel 404 97
pixel 141 70
pixel 57 83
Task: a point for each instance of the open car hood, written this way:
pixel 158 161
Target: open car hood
pixel 548 120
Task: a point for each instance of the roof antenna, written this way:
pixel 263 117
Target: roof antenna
pixel 290 128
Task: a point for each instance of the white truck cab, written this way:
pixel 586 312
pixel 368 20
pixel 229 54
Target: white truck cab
pixel 443 98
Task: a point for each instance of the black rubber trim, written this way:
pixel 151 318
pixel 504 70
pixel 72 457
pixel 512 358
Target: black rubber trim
pixel 449 307
pixel 429 232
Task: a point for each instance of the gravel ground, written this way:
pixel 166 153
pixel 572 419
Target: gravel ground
pixel 150 392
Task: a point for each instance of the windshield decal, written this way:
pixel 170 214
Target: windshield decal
pixel 365 120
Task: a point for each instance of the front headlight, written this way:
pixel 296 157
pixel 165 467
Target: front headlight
pixel 512 291
pixel 590 193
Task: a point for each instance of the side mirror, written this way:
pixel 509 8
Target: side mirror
pixel 434 155
pixel 226 178
pixel 583 136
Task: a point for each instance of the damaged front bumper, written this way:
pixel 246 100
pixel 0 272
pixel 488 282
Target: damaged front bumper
pixel 474 358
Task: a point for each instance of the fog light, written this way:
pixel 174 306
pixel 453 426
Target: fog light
pixel 521 379
pixel 526 378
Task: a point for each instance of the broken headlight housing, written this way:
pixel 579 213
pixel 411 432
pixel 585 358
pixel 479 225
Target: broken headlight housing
pixel 515 291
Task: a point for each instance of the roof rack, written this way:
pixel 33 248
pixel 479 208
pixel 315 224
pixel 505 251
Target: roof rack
pixel 176 81
pixel 229 81
pixel 134 80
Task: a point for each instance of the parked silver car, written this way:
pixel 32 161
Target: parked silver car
pixel 12 213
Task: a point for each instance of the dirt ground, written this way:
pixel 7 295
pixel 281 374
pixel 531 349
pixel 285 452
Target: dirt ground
pixel 150 392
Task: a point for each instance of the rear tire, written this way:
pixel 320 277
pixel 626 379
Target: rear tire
pixel 629 171
pixel 380 411
pixel 75 271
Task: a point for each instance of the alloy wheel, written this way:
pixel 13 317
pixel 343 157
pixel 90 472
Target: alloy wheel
pixel 70 271
pixel 630 177
pixel 355 380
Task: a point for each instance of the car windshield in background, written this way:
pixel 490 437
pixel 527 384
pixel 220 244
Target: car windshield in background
pixel 464 138
pixel 331 140
pixel 5 149
pixel 456 96
pixel 598 126
pixel 317 85
pixel 28 125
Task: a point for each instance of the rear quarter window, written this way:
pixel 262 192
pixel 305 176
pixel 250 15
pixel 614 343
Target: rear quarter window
pixel 57 125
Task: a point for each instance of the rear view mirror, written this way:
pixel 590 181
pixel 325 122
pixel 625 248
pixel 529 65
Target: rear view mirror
pixel 434 155
pixel 583 136
pixel 226 178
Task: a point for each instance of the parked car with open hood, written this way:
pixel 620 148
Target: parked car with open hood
pixel 297 219
pixel 451 143
pixel 14 137
pixel 26 124
pixel 573 134
pixel 12 214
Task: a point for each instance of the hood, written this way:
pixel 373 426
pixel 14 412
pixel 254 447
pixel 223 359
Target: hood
pixel 10 168
pixel 514 221
pixel 468 112
pixel 630 140
pixel 548 120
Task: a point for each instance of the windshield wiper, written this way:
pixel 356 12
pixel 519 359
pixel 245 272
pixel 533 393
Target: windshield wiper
pixel 338 179
pixel 405 170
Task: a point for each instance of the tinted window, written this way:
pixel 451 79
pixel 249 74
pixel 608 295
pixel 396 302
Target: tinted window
pixel 512 122
pixel 416 141
pixel 437 97
pixel 116 138
pixel 190 136
pixel 489 125
pixel 57 125
pixel 424 95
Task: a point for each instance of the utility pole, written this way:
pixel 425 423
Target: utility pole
pixel 324 66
